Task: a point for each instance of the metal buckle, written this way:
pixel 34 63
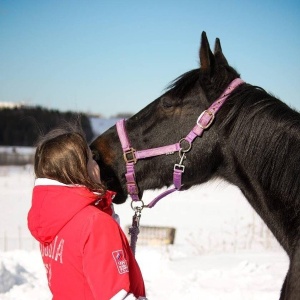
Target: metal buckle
pixel 212 117
pixel 178 167
pixel 131 159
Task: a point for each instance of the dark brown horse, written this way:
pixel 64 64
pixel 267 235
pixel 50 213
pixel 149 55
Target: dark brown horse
pixel 253 143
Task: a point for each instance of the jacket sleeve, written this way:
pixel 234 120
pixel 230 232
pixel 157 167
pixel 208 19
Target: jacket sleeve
pixel 105 260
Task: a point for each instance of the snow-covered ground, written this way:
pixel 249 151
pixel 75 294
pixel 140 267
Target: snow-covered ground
pixel 222 249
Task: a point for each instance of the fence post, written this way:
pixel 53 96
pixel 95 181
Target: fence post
pixel 20 237
pixel 5 241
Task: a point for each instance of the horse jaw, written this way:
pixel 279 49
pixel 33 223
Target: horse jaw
pixel 106 155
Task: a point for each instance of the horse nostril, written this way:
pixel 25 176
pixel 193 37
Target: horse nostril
pixel 95 155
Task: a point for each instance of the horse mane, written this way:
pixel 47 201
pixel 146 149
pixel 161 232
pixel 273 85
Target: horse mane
pixel 266 136
pixel 265 132
pixel 181 85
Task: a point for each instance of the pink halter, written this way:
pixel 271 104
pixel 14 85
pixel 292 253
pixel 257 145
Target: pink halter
pixel 131 156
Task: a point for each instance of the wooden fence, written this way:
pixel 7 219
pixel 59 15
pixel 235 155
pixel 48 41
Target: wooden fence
pixel 19 241
pixel 16 156
pixel 155 235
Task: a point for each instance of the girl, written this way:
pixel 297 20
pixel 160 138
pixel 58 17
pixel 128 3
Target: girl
pixel 84 250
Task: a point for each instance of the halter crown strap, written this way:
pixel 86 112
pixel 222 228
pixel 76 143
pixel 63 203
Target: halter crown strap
pixel 207 117
pixel 131 156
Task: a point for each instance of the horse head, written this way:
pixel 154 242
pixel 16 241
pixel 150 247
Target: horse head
pixel 167 120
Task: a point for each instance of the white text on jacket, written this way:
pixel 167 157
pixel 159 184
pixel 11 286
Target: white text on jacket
pixel 54 250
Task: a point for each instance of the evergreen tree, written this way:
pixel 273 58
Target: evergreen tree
pixel 21 126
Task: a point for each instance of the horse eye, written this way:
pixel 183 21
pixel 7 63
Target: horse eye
pixel 166 102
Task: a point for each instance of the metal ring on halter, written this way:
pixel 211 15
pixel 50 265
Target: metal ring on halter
pixel 188 148
pixel 137 208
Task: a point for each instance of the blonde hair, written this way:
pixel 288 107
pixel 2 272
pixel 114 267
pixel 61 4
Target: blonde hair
pixel 62 155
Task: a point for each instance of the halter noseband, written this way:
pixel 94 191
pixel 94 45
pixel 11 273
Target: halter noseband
pixel 131 156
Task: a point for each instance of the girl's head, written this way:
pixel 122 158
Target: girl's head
pixel 64 155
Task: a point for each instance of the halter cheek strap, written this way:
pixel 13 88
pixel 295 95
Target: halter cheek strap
pixel 131 156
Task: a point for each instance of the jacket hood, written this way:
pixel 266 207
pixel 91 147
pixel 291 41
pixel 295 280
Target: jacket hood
pixel 55 204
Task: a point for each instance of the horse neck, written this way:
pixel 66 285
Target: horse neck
pixel 262 152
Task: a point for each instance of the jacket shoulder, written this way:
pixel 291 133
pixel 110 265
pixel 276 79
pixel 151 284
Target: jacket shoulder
pixel 92 213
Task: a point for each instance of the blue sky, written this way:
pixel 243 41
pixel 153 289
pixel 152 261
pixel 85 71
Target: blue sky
pixel 112 56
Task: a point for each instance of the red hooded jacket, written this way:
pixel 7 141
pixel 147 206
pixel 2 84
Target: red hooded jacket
pixel 84 250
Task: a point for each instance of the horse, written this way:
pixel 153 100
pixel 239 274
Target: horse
pixel 252 142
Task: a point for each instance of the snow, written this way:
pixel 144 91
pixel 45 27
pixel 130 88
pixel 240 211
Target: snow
pixel 222 249
pixel 17 149
pixel 99 125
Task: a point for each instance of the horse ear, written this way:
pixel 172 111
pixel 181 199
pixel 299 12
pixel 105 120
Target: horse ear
pixel 207 60
pixel 219 56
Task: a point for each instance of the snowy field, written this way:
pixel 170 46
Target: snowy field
pixel 222 250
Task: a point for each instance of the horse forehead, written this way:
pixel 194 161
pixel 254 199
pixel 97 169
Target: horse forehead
pixel 108 154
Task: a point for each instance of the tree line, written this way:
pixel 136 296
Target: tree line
pixel 21 126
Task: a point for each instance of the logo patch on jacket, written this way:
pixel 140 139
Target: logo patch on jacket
pixel 120 261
